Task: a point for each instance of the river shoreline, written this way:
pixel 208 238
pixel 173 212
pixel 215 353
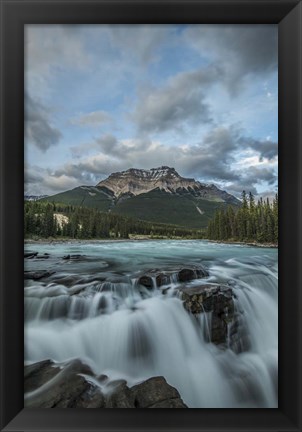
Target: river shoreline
pixel 144 238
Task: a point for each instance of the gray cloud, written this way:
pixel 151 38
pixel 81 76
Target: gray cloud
pixel 252 177
pixel 49 48
pixel 38 129
pixel 241 49
pixel 180 101
pixel 94 119
pixel 40 181
pixel 237 188
pixel 32 177
pixel 106 143
pixel 267 149
pixel 257 174
pixel 212 160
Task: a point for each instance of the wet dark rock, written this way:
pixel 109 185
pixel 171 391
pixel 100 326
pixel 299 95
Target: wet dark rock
pixel 37 374
pixel 218 299
pixel 68 385
pixel 102 378
pixel 53 387
pixel 30 254
pixel 73 257
pixel 120 395
pixel 37 275
pixel 92 397
pixel 156 393
pixel 187 274
pixel 157 278
pixel 68 280
pixel 148 279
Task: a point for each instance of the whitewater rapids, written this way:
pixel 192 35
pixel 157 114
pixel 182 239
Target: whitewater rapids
pixel 93 310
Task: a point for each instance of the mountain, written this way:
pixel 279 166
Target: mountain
pixel 139 181
pixel 157 195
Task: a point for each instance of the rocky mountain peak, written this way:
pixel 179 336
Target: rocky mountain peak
pixel 136 181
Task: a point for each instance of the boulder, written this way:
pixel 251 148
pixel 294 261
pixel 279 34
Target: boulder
pixel 37 374
pixel 217 299
pixel 37 275
pixel 156 393
pixel 187 274
pixel 53 386
pixel 73 257
pixel 119 395
pixel 156 278
pixel 30 254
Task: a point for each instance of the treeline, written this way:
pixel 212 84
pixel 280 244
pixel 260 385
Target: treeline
pixel 59 220
pixel 252 222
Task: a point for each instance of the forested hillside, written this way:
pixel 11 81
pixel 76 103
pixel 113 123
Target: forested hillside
pixel 252 222
pixel 57 220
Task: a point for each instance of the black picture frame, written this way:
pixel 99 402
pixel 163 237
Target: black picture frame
pixel 14 14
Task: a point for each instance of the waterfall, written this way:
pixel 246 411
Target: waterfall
pixel 124 330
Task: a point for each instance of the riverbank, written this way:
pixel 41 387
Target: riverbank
pixel 78 240
pixel 142 238
pixel 253 244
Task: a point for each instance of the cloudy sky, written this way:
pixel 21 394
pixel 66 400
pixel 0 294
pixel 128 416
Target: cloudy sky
pixel 105 98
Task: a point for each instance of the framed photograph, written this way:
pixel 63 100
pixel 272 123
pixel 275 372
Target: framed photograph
pixel 145 260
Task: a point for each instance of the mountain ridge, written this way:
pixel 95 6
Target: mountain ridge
pixel 137 181
pixel 158 195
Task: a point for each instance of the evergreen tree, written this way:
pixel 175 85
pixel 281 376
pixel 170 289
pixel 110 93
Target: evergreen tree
pixel 250 223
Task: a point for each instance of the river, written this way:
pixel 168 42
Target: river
pixel 92 308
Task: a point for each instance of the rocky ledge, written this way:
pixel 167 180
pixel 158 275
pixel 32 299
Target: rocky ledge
pixel 74 385
pixel 156 278
pixel 224 320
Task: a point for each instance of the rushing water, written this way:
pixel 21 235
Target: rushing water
pixel 93 308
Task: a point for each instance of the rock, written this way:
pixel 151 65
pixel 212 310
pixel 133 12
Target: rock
pixel 53 387
pixel 68 392
pixel 187 274
pixel 218 299
pixel 156 278
pixel 120 395
pixel 73 257
pixel 102 378
pixel 69 281
pixel 30 254
pixel 156 393
pixel 37 374
pixel 39 274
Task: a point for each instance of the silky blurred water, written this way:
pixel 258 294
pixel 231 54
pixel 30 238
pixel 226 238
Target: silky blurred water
pixel 92 308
